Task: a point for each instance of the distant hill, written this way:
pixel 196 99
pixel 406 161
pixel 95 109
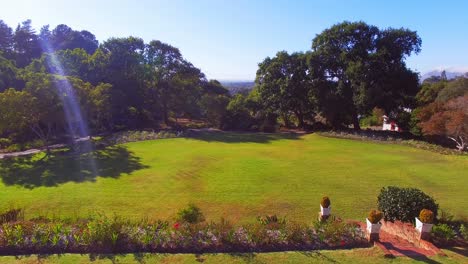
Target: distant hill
pixel 450 74
pixel 236 87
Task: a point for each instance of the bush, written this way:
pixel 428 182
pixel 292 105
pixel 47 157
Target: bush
pixel 4 142
pixel 192 214
pixel 11 215
pixel 404 204
pixel 375 216
pixel 464 231
pixel 426 216
pixel 271 219
pixel 443 231
pixel 14 148
pixel 132 136
pixel 325 202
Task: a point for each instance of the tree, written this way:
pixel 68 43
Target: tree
pixel 213 107
pixel 74 62
pixel 449 119
pixel 172 82
pixel 237 116
pixel 429 91
pixel 454 88
pixel 92 100
pixel 26 44
pixel 7 74
pixel 17 110
pixel 6 40
pixel 63 37
pixel 124 69
pixel 367 66
pixel 283 85
pixel 443 76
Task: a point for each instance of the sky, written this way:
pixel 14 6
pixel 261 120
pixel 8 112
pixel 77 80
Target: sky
pixel 227 39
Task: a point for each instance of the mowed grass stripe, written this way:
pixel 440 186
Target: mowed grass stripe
pixel 240 176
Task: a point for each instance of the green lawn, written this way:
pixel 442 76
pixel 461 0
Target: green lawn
pixel 372 255
pixel 235 176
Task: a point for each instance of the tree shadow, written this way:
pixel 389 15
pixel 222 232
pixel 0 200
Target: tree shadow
pixel 247 257
pixel 65 166
pixel 410 253
pixel 317 256
pixel 240 137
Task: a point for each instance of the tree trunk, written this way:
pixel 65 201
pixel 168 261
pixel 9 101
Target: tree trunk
pixel 460 143
pixel 166 118
pixel 286 120
pixel 300 118
pixel 356 122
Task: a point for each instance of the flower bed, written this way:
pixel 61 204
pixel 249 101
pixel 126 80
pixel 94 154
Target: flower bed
pixel 105 235
pixel 391 138
pixel 133 136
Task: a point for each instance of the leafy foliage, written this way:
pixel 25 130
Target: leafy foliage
pixel 443 231
pixel 426 216
pixel 375 216
pixel 364 67
pixel 404 204
pixel 449 119
pixel 376 119
pixel 192 214
pixel 464 231
pixel 101 234
pixel 12 215
pixel 283 85
pixel 271 220
pixel 325 202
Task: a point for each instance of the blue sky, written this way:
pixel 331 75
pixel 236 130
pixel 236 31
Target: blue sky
pixel 227 39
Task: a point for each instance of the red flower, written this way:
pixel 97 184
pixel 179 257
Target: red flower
pixel 176 226
pixel 342 243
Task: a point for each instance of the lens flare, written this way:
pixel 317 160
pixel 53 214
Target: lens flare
pixel 77 125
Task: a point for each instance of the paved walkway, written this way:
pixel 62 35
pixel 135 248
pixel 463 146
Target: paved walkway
pixel 398 246
pixel 395 246
pixel 33 151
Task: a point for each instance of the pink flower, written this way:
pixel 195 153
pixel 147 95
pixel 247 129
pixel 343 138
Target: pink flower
pixel 176 226
pixel 342 243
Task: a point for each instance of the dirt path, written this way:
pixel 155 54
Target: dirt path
pixel 37 150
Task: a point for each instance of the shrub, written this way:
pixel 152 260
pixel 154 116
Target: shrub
pixel 192 214
pixel 4 142
pixel 13 148
pixel 404 204
pixel 464 231
pixel 426 216
pixel 443 231
pixel 11 215
pixel 325 202
pixel 271 219
pixel 375 216
pixel 445 217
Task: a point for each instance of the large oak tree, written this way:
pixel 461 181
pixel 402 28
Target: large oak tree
pixel 367 66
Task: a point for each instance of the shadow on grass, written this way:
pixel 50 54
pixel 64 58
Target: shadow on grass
pixel 459 250
pixel 318 256
pixel 241 137
pixel 62 167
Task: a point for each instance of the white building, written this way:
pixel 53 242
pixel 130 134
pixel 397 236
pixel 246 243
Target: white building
pixel 390 125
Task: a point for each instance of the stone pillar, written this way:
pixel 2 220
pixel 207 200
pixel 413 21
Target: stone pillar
pixel 425 236
pixel 373 237
pixel 322 218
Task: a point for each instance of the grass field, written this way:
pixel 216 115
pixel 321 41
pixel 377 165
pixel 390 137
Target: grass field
pixel 235 176
pixel 371 255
